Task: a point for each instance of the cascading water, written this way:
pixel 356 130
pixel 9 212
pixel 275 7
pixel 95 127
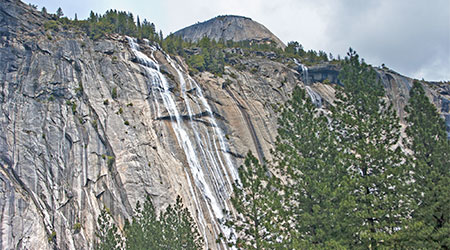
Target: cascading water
pixel 315 97
pixel 202 141
pixel 305 76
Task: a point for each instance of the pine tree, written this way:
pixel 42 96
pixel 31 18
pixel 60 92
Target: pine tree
pixel 59 12
pixel 108 233
pixel 144 230
pixel 377 200
pixel 431 149
pixel 174 229
pixel 178 228
pixel 256 201
pixel 306 156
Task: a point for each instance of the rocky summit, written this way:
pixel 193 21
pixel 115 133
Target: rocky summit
pixel 229 27
pixel 96 116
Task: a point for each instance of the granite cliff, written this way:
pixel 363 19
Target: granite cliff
pixel 235 28
pixel 87 125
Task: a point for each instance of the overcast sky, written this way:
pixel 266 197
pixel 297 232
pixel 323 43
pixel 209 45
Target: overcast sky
pixel 411 37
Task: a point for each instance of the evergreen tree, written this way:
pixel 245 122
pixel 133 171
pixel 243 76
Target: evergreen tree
pixel 257 202
pixel 174 229
pixel 431 149
pixel 59 12
pixel 377 197
pixel 178 228
pixel 306 156
pixel 108 233
pixel 144 230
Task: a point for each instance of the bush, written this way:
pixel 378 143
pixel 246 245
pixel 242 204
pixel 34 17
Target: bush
pixel 110 160
pixel 114 93
pixel 51 25
pixel 77 227
pixel 52 236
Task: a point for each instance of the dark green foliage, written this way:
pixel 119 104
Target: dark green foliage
pixel 306 155
pixel 208 55
pixel 114 93
pixel 256 201
pixel 178 228
pixel 310 57
pixel 59 12
pixel 51 25
pixel 345 182
pixel 174 229
pixel 107 233
pixel 378 172
pixel 430 227
pixel 113 21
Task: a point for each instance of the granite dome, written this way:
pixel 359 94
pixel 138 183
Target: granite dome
pixel 229 27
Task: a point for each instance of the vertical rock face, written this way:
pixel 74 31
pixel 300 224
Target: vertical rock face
pixel 87 124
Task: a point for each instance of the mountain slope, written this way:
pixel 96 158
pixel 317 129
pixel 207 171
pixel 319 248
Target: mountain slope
pixel 92 124
pixel 235 28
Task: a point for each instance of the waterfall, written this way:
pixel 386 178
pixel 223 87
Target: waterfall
pixel 304 69
pixel 199 136
pixel 316 99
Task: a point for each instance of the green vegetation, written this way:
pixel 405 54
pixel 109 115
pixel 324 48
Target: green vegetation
pixel 98 26
pixel 110 160
pixel 340 181
pixel 210 55
pixel 73 106
pixel 173 229
pixel 52 236
pixel 256 201
pixel 77 227
pixel 307 155
pixel 430 226
pixel 95 124
pixel 114 93
pixel 377 171
pixel 204 55
pixel 107 233
pixel 310 57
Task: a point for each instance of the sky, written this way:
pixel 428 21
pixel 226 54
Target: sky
pixel 411 37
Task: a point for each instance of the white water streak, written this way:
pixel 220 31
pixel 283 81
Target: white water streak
pixel 209 162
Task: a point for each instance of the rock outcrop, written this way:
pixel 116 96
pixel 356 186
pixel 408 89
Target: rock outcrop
pixel 235 28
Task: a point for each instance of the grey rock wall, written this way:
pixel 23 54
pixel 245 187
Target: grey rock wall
pixel 235 28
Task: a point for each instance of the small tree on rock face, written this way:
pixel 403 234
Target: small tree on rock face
pixel 59 13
